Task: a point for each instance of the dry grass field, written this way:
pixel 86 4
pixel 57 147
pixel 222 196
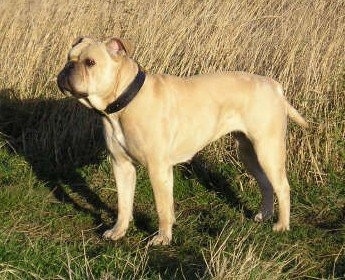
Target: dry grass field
pixel 299 43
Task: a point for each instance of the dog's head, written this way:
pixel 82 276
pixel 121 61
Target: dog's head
pixel 92 68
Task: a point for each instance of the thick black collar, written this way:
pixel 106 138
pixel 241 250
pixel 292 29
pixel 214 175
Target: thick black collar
pixel 128 94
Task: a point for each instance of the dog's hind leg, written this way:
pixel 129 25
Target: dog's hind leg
pixel 249 158
pixel 161 177
pixel 271 156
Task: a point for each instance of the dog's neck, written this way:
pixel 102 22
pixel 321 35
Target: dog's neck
pixel 128 94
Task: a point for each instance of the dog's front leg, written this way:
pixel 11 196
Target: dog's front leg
pixel 161 177
pixel 125 177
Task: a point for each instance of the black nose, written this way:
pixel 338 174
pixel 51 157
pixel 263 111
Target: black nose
pixel 70 65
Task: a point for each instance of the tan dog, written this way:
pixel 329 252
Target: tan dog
pixel 161 120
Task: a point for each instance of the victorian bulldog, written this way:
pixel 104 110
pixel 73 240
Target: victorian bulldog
pixel 160 120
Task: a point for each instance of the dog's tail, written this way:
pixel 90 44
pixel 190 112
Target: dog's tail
pixel 294 115
pixel 291 111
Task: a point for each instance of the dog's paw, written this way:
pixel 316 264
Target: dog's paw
pixel 280 227
pixel 159 239
pixel 114 234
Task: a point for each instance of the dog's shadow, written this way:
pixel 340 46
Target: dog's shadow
pixel 58 137
pixel 214 180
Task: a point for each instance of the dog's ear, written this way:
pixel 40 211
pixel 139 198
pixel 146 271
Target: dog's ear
pixel 116 46
pixel 81 39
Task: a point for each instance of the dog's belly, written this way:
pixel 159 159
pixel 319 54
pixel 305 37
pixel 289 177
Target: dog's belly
pixel 190 141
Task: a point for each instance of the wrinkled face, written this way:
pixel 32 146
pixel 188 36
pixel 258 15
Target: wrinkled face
pixel 88 71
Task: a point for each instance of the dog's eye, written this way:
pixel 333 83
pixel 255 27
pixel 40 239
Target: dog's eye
pixel 89 62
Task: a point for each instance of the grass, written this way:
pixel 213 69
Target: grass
pixel 56 190
pixel 55 232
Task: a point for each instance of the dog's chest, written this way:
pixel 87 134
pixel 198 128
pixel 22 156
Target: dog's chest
pixel 122 141
pixel 118 135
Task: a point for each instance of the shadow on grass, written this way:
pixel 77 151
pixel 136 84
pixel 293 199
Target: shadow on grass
pixel 57 137
pixel 171 264
pixel 213 180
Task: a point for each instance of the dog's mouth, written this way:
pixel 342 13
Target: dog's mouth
pixel 67 88
pixel 75 94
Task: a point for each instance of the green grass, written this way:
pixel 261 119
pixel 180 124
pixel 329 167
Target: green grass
pixel 51 226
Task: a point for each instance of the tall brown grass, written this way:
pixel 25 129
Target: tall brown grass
pixel 299 43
